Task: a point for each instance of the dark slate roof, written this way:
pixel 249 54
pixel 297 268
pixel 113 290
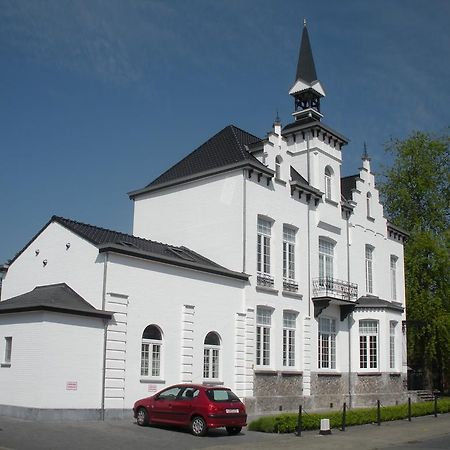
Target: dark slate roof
pixel 298 180
pixel 224 151
pixel 306 70
pixel 53 297
pixel 117 242
pixel 347 185
pixel 300 125
pixel 370 301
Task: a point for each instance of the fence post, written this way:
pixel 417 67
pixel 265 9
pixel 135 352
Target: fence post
pixel 378 413
pixel 435 405
pixel 344 411
pixel 409 409
pixel 299 421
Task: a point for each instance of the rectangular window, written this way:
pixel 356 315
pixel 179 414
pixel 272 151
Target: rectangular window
pixel 394 277
pixel 392 325
pixel 211 362
pixel 263 246
pixel 154 361
pixel 263 323
pixel 327 343
pixel 369 269
pixel 288 253
pixel 326 263
pixel 8 350
pixel 289 325
pixel 368 344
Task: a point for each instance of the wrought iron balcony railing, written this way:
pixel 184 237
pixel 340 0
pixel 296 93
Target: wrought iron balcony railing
pixel 264 279
pixel 330 287
pixel 290 285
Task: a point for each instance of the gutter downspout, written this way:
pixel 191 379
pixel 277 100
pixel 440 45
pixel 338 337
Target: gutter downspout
pixel 244 222
pixel 309 226
pixel 349 318
pixel 105 272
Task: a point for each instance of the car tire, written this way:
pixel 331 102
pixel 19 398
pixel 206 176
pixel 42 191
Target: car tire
pixel 233 430
pixel 142 417
pixel 198 426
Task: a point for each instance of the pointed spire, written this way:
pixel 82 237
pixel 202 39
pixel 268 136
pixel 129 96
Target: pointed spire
pixel 365 155
pixel 277 120
pixel 306 70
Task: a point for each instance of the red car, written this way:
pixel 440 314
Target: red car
pixel 199 407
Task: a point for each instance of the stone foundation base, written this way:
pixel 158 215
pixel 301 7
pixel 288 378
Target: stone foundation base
pixel 280 391
pixel 61 415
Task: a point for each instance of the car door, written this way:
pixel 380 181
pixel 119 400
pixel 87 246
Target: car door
pixel 182 406
pixel 161 410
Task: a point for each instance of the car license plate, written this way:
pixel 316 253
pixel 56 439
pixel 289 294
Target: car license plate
pixel 232 411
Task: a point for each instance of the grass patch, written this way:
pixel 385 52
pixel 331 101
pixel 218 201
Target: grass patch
pixel 287 422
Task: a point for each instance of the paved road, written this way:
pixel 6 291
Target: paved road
pixel 423 433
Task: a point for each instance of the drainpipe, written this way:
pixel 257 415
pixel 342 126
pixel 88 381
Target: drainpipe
pixel 349 317
pixel 308 167
pixel 244 222
pixel 105 322
pixel 308 173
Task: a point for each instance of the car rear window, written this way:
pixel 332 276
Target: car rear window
pixel 221 395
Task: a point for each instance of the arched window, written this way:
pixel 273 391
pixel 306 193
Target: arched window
pixel 211 355
pixel 278 161
pixel 151 352
pixel 327 184
pixel 368 204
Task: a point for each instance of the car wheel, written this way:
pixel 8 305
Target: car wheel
pixel 198 426
pixel 142 417
pixel 234 430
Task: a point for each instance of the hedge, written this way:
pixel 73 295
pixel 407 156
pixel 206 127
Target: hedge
pixel 287 422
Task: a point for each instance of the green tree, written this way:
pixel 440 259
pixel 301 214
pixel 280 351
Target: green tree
pixel 416 192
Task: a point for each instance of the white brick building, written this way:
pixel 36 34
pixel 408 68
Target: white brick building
pixel 282 280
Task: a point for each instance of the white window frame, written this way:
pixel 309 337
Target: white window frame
pixel 289 238
pixel 289 333
pixel 369 205
pixel 393 272
pixel 263 336
pixel 368 344
pixel 8 351
pixel 392 333
pixel 264 232
pixel 328 180
pixel 326 261
pixel 326 352
pixel 278 161
pixel 151 356
pixel 211 359
pixel 369 253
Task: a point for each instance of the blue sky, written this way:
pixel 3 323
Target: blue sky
pixel 98 97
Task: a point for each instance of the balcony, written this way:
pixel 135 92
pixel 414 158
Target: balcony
pixel 290 285
pixel 328 291
pixel 265 280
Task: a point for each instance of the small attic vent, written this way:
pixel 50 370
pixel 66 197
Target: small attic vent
pixel 126 244
pixel 180 253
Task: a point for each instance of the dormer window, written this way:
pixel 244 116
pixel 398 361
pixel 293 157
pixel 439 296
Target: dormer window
pixel 327 179
pixel 278 161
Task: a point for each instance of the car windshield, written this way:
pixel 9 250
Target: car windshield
pixel 221 395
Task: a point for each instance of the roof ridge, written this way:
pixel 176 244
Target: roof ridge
pixel 59 218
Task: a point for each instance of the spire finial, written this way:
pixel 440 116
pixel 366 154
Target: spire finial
pixel 277 120
pixel 304 22
pixel 365 156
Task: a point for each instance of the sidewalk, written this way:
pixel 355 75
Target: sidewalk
pixel 390 434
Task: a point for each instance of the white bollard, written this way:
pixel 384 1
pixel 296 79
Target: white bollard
pixel 325 426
